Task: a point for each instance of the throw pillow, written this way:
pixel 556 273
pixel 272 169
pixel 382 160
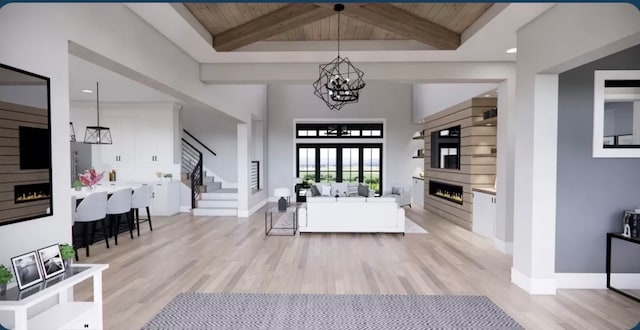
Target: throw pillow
pixel 396 191
pixel 363 190
pixel 326 190
pixel 314 191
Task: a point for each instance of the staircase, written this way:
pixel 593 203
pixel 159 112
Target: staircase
pixel 208 196
pixel 222 201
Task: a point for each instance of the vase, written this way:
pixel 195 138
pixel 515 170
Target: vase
pixel 67 264
pixel 3 289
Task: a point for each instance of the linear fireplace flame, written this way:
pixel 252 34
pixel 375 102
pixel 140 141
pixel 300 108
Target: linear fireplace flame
pixel 446 191
pixel 31 192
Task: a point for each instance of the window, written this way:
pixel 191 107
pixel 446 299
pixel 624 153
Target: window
pixel 340 163
pixel 339 130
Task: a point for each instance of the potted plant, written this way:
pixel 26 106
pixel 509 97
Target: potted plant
pixel 77 185
pixel 168 177
pixel 67 253
pixel 5 277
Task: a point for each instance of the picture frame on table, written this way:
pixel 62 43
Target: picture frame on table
pixel 625 139
pixel 609 140
pixel 26 270
pixel 51 261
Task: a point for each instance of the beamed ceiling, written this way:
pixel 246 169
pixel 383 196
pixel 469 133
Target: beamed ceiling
pixel 235 25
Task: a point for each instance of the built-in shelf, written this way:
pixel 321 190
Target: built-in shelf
pixel 484 155
pixel 418 156
pixel 493 121
pixel 421 137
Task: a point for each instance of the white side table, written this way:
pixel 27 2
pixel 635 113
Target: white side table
pixel 66 314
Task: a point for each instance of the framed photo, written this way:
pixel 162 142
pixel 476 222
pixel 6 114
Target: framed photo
pixel 51 261
pixel 625 139
pixel 608 140
pixel 26 270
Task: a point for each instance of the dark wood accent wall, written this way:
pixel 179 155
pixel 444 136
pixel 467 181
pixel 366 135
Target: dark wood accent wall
pixel 13 116
pixel 477 161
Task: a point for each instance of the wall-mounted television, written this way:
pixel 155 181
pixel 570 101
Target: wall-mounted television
pixel 35 148
pixel 445 148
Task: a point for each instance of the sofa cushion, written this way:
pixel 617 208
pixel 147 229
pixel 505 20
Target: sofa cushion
pixel 321 199
pixel 381 200
pixel 326 191
pixel 339 188
pixel 363 190
pixel 396 191
pixel 315 191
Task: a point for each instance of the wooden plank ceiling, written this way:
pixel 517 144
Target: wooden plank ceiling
pixel 235 25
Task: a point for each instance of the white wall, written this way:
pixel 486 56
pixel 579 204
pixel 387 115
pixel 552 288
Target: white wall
pixel 391 102
pixel 217 132
pixel 251 146
pixel 432 98
pixel 565 36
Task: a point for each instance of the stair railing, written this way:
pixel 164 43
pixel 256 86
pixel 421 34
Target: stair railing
pixel 192 164
pixel 196 183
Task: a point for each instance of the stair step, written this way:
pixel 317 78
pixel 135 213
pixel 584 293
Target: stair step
pixel 218 203
pixel 218 195
pixel 213 212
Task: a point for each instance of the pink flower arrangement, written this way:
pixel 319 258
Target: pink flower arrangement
pixel 90 177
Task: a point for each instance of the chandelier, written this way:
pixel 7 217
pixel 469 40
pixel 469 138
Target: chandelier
pixel 340 81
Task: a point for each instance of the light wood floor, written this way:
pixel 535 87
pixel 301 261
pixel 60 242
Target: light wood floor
pixel 228 254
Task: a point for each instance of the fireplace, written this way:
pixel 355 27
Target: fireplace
pixel 449 192
pixel 31 192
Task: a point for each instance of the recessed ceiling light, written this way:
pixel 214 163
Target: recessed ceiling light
pixel 487 95
pixel 512 50
pixel 87 91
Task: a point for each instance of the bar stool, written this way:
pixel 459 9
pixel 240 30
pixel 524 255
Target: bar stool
pixel 119 205
pixel 92 208
pixel 141 198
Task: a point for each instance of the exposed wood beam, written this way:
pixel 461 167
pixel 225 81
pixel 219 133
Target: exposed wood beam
pixel 279 21
pixel 394 19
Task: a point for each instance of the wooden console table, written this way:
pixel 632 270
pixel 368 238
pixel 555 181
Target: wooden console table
pixel 610 237
pixel 66 314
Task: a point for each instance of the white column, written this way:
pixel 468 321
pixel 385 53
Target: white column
pixel 243 169
pixel 535 183
pixel 504 165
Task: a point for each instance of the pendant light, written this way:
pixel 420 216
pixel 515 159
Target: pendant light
pixel 97 134
pixel 340 81
pixel 72 133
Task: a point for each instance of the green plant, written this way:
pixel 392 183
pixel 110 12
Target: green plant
pixel 67 252
pixel 168 175
pixel 77 184
pixel 5 275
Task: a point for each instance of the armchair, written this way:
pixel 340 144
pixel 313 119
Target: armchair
pixel 400 193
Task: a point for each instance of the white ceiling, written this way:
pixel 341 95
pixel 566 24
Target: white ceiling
pixel 113 87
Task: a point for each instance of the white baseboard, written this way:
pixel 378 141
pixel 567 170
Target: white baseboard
pixel 596 281
pixel 185 209
pixel 533 286
pixel 256 207
pixel 502 246
pixel 247 213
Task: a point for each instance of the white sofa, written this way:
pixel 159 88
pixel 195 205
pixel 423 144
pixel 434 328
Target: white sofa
pixel 351 215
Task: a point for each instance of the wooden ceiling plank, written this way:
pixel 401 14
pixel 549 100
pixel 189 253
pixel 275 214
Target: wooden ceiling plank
pixel 396 20
pixel 279 21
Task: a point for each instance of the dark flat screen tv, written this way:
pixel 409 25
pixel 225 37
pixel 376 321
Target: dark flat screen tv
pixel 34 148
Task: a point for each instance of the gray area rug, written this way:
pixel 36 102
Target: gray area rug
pixel 329 312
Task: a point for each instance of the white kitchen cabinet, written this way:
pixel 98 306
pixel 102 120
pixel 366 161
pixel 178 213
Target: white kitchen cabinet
pixel 165 198
pixel 484 214
pixel 18 308
pixel 417 191
pixel 145 139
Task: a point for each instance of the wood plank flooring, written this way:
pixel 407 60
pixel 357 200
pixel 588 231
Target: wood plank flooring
pixel 228 254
